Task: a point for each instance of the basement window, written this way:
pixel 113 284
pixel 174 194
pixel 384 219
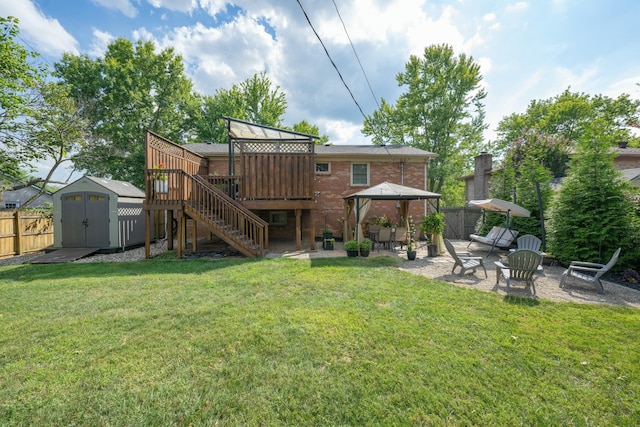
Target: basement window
pixel 278 218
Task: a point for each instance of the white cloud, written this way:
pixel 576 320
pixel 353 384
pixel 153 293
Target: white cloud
pixel 45 34
pixel 223 56
pixel 178 5
pixel 519 6
pixel 101 40
pixel 123 6
pixel 343 132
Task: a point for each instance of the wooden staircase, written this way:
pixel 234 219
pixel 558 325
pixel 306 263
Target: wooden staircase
pixel 226 218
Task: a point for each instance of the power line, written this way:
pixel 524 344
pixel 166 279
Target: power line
pixel 356 54
pixel 331 60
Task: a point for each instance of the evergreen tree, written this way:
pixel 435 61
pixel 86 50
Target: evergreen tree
pixel 591 214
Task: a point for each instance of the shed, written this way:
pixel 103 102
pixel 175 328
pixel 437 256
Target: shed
pixel 98 213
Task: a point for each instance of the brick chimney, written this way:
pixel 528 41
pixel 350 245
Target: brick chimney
pixel 481 175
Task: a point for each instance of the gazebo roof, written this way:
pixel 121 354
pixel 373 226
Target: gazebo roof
pixel 390 191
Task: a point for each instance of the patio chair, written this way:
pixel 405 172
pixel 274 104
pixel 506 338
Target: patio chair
pixel 523 264
pixel 531 242
pixel 402 236
pixel 589 271
pixel 464 260
pixel 384 237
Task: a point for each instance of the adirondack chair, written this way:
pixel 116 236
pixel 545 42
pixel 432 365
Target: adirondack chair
pixel 464 260
pixel 589 271
pixel 531 242
pixel 523 264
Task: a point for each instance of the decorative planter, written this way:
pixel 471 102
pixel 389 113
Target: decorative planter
pixel 352 253
pixel 161 187
pixel 411 255
pixel 327 245
pixel 432 250
pixel 364 253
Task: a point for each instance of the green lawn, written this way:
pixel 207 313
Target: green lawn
pixel 302 342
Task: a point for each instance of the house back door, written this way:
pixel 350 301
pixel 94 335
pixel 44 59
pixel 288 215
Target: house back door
pixel 85 220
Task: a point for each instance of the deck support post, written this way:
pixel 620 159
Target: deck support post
pixel 312 235
pixel 298 229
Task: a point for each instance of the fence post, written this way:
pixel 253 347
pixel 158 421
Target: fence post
pixel 18 234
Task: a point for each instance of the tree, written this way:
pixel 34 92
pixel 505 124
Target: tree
pixel 39 122
pixel 253 100
pixel 55 131
pixel 591 214
pixel 309 129
pixel 568 115
pixel 18 81
pixel 441 111
pixel 131 90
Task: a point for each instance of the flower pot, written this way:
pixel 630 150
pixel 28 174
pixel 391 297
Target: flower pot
pixel 411 255
pixel 352 253
pixel 327 245
pixel 364 253
pixel 161 187
pixel 432 250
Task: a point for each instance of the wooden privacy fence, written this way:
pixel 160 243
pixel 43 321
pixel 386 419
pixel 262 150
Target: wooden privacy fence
pixel 460 222
pixel 24 232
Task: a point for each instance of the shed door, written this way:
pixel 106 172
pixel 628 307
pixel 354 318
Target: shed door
pixel 85 220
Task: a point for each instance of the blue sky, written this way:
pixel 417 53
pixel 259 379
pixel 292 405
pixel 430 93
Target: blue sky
pixel 526 50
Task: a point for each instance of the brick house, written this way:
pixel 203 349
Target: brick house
pixel 270 183
pixel 341 170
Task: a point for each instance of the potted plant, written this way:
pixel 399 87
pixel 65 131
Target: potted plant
pixel 365 247
pixel 160 182
pixel 411 243
pixel 432 225
pixel 327 233
pixel 352 247
pixel 328 244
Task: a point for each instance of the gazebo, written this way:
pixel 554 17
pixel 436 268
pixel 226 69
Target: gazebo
pixel 361 201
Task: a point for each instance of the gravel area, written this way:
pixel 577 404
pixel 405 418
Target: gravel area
pixel 546 282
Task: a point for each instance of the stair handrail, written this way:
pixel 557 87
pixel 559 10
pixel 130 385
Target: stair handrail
pixel 253 228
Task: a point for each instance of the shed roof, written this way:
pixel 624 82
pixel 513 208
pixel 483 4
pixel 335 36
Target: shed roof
pixel 120 188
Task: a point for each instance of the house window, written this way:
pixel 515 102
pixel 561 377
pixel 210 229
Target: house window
pixel 359 174
pixel 11 205
pixel 323 168
pixel 278 218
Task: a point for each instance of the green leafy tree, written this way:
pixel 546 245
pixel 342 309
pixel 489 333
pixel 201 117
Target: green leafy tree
pixel 39 122
pixel 523 179
pixel 254 100
pixel 19 78
pixel 131 90
pixel 309 129
pixel 440 111
pixel 567 116
pixel 591 214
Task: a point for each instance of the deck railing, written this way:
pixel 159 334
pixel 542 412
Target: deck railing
pixel 232 220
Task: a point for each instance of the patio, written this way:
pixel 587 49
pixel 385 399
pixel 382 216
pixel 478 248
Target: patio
pixel 547 281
